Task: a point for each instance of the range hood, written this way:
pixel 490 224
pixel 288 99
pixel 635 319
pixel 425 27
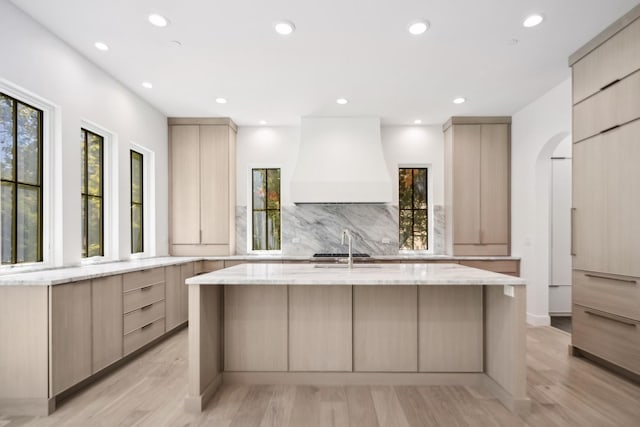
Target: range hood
pixel 341 161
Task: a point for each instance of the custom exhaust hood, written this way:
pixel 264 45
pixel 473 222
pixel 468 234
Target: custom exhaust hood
pixel 341 161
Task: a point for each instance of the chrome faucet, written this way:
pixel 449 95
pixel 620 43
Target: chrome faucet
pixel 347 233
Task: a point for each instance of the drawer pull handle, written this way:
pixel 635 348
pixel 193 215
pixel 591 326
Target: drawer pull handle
pixel 609 84
pixel 615 319
pixel 615 279
pixel 610 129
pixel 148 325
pixel 146 307
pixel 146 288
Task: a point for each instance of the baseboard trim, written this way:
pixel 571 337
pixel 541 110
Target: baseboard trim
pixel 33 406
pixel 605 364
pixel 537 320
pixel 517 405
pixel 196 404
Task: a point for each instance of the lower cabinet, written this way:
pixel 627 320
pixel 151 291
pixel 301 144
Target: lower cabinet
pixel 106 314
pixel 173 296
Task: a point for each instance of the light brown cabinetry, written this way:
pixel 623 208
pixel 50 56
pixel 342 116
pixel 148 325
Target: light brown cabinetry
pixel 202 183
pixel 106 312
pixel 177 294
pixel 605 226
pixel 477 185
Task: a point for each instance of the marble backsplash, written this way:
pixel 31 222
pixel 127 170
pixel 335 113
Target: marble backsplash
pixel 312 228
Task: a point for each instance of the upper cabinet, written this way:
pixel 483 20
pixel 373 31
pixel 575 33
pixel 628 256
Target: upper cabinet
pixel 202 186
pixel 477 174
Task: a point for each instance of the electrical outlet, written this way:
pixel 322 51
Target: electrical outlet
pixel 509 291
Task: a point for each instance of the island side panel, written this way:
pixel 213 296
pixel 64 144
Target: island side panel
pixel 320 328
pixel 450 328
pixel 205 344
pixel 385 330
pixel 255 328
pixel 505 346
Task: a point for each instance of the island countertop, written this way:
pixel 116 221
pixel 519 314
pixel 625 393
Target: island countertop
pixel 360 274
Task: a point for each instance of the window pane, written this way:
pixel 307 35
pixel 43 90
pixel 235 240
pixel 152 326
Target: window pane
pixel 406 229
pixel 420 221
pixel 6 139
pixel 419 242
pixel 136 177
pixel 28 145
pixel 405 186
pixel 94 164
pixel 273 228
pixel 7 222
pixel 259 231
pixel 84 228
pixel 28 224
pixel 273 187
pixel 259 188
pixel 83 161
pixel 136 229
pixel 420 188
pixel 95 226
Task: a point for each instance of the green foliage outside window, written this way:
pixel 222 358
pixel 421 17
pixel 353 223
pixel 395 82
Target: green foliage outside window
pixel 21 181
pixel 412 197
pixel 266 209
pixel 92 198
pixel 137 208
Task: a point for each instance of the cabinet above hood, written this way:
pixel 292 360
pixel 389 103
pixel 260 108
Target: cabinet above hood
pixel 341 161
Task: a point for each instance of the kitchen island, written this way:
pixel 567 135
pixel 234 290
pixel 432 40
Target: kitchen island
pixel 413 324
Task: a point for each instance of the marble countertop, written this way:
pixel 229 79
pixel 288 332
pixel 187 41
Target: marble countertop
pixel 398 257
pixel 58 276
pixel 360 274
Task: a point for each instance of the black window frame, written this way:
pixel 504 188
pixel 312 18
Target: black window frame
pixel 85 196
pixel 15 182
pixel 134 153
pixel 413 209
pixel 266 209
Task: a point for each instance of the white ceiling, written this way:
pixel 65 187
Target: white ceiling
pixel 358 49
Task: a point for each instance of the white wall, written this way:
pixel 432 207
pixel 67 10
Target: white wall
pixel 278 146
pixel 537 130
pixel 38 62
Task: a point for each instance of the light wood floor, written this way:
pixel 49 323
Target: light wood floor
pixel 565 391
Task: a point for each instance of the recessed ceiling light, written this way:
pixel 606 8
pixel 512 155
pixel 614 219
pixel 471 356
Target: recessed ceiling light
pixel 284 28
pixel 221 100
pixel 342 101
pixel 419 27
pixel 158 20
pixel 263 122
pixel 147 85
pixel 417 122
pixel 533 20
pixel 101 46
pixel 460 100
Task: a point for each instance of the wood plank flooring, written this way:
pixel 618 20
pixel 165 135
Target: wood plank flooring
pixel 565 391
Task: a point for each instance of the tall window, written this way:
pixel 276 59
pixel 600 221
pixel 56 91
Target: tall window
pixel 266 209
pixel 92 194
pixel 137 208
pixel 21 176
pixel 412 197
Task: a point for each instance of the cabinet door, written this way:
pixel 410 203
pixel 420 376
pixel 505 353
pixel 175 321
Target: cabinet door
pixel 186 271
pixel 623 200
pixel 494 185
pixel 214 186
pixel 70 334
pixel 185 184
pixel 589 213
pixel 106 311
pixel 466 184
pixel 173 313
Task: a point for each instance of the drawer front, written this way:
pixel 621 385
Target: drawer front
pixel 617 341
pixel 504 267
pixel 142 278
pixel 143 316
pixel 614 59
pixel 143 335
pixel 614 294
pixel 134 300
pixel 617 105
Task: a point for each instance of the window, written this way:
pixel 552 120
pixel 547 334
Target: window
pixel 137 204
pixel 92 194
pixel 265 217
pixel 21 176
pixel 412 198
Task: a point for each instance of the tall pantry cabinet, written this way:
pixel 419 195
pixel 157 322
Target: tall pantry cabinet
pixel 202 158
pixel 606 197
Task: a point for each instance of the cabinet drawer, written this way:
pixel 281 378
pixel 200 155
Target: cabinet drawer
pixel 143 316
pixel 144 335
pixel 616 340
pixel 614 59
pixel 614 294
pixel 504 267
pixel 133 300
pixel 142 278
pixel 617 105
